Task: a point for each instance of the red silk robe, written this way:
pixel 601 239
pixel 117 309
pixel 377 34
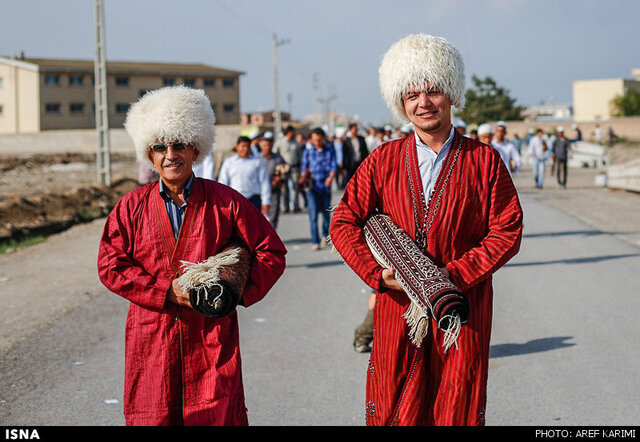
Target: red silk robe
pixel 474 226
pixel 182 367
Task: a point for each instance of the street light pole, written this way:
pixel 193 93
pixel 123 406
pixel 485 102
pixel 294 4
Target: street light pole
pixel 277 129
pixel 103 160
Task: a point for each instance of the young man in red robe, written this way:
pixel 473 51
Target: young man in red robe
pixel 181 368
pixel 455 198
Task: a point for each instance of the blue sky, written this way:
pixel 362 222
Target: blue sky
pixel 536 49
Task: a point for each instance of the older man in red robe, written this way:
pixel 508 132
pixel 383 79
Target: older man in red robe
pixel 181 367
pixel 455 198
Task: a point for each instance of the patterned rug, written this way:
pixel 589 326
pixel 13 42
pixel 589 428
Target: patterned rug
pixel 432 295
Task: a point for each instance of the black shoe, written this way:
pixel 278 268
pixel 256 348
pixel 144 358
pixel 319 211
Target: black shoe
pixel 361 346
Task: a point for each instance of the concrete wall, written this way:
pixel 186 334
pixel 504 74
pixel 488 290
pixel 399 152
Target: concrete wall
pixel 85 141
pixel 626 127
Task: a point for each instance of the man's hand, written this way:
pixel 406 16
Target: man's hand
pixel 177 296
pixel 445 272
pixel 265 209
pixel 389 280
pixel 329 179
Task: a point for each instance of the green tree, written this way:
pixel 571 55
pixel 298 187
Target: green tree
pixel 626 105
pixel 486 101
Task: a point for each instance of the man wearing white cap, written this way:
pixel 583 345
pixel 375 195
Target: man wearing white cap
pixel 460 126
pixel 508 151
pixel 485 133
pixel 181 367
pixel 455 198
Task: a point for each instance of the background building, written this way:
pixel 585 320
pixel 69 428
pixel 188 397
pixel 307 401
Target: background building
pixel 39 94
pixel 263 118
pixel 592 98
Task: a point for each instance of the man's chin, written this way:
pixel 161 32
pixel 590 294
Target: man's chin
pixel 430 127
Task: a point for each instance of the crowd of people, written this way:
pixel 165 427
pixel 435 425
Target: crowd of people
pixel 542 149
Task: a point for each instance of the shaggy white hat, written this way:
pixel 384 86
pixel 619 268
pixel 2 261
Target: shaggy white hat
pixel 171 114
pixel 415 60
pixel 484 129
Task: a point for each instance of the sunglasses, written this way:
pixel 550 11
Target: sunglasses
pixel 162 148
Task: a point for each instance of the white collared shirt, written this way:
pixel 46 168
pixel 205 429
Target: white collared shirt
pixel 508 153
pixel 246 175
pixel 430 163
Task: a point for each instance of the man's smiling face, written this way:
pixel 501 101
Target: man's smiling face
pixel 174 162
pixel 429 109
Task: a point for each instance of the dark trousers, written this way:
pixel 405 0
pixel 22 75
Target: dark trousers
pixel 318 203
pixel 256 200
pixel 363 334
pixel 274 207
pixel 562 172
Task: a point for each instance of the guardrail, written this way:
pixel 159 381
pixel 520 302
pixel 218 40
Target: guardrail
pixel 624 176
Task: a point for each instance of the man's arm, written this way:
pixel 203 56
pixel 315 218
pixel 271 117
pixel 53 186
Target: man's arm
pixel 360 200
pixel 266 248
pixel 223 174
pixel 117 269
pixel 265 187
pixel 503 237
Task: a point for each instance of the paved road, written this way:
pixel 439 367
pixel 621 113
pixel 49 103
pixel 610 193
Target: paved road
pixel 564 344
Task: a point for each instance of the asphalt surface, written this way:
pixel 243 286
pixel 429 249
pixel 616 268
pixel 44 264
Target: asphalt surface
pixel 564 343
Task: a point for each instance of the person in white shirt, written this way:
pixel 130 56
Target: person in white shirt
pixel 247 174
pixel 373 139
pixel 205 169
pixel 507 150
pixel 539 153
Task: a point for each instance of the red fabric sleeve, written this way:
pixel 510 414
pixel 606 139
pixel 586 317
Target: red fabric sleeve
pixel 504 234
pixel 359 201
pixel 118 271
pixel 266 247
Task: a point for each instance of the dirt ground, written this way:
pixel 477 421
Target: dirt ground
pixel 43 194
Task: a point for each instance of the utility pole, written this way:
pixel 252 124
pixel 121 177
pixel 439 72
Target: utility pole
pixel 327 108
pixel 103 160
pixel 314 85
pixel 277 127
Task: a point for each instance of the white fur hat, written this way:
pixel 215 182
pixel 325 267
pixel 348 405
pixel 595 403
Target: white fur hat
pixel 171 114
pixel 415 60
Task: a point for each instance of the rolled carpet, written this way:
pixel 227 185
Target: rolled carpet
pixel 215 285
pixel 432 295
